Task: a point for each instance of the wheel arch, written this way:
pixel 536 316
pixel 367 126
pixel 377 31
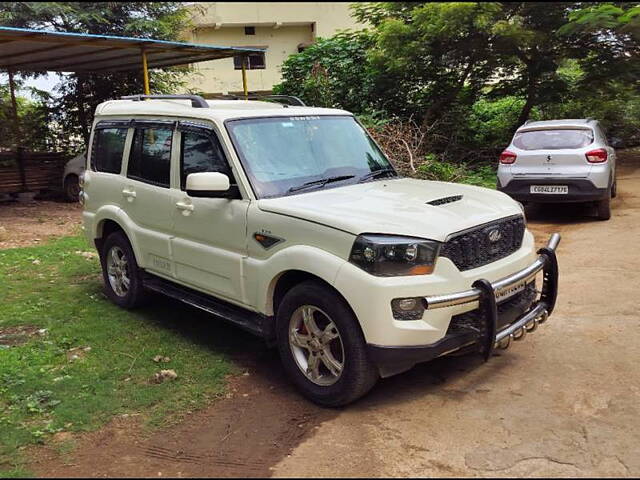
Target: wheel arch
pixel 288 279
pixel 109 223
pixel 69 175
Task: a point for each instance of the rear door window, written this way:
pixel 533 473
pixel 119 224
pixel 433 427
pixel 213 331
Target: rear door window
pixel 553 139
pixel 108 145
pixel 150 156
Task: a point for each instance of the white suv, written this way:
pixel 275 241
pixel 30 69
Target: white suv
pixel 560 161
pixel 290 222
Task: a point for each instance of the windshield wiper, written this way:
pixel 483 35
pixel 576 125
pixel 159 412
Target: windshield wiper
pixel 377 173
pixel 321 182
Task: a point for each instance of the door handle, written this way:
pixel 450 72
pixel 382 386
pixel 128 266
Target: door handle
pixel 129 194
pixel 186 208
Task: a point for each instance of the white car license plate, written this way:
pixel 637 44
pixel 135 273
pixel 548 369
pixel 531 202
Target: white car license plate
pixel 510 292
pixel 550 189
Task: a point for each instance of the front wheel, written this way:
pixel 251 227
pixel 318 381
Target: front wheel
pixel 322 347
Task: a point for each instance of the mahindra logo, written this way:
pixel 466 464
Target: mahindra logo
pixel 495 235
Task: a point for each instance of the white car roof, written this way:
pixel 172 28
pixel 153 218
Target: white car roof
pixel 565 123
pixel 219 110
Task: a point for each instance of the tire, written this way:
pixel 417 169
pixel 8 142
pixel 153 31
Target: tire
pixel 604 208
pixel 614 189
pixel 72 188
pixel 134 294
pixel 331 315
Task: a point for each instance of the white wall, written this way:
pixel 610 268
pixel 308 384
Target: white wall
pixel 280 27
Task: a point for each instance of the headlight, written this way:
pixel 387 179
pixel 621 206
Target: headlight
pixel 390 256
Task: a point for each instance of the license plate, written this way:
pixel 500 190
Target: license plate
pixel 550 189
pixel 510 292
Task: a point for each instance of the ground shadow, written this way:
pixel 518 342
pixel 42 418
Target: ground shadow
pixel 246 350
pixel 560 213
pixel 251 352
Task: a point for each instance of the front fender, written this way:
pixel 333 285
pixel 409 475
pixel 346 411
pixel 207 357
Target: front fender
pixel 261 276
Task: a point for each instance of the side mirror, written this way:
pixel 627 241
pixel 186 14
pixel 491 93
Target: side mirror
pixel 208 185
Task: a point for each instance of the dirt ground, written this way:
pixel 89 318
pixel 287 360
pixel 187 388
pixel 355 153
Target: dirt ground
pixel 564 402
pixel 30 222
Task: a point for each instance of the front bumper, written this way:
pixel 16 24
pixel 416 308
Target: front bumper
pixel 392 360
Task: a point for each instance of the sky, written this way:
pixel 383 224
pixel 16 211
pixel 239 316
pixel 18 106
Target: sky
pixel 45 82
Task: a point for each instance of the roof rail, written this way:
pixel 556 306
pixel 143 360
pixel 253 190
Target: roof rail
pixel 196 100
pixel 590 119
pixel 284 99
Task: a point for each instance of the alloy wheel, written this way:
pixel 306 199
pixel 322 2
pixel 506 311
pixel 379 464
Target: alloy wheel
pixel 316 345
pixel 118 271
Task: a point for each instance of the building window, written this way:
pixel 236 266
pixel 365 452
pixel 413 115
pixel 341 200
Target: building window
pixel 255 61
pixel 249 30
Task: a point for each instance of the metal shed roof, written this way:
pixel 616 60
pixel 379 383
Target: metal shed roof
pixel 41 50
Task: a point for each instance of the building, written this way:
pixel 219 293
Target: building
pixel 282 28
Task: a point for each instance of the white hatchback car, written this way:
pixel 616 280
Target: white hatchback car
pixel 560 161
pixel 291 223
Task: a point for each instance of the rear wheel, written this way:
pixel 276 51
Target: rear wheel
pixel 604 208
pixel 120 271
pixel 322 347
pixel 72 188
pixel 614 189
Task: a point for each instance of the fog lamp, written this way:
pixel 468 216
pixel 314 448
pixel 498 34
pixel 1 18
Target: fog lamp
pixel 407 308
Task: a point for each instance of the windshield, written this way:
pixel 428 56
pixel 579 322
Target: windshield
pixel 280 154
pixel 553 139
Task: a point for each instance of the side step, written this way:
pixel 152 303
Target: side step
pixel 253 322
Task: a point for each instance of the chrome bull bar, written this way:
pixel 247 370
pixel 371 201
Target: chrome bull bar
pixel 487 295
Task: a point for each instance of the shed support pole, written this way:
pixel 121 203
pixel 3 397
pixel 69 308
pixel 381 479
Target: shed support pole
pixel 16 131
pixel 244 78
pixel 145 73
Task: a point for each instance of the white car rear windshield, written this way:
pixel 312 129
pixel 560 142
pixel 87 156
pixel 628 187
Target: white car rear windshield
pixel 553 139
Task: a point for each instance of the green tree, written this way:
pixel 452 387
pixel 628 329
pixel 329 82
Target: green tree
pixel 531 49
pixel 34 119
pixel 331 73
pixel 426 54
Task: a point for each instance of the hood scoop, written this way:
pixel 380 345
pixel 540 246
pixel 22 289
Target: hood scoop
pixel 445 200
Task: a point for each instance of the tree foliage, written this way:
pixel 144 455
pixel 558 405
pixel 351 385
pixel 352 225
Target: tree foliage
pixel 331 72
pixel 34 120
pixel 469 73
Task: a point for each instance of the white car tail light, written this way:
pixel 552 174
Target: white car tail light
pixel 508 157
pixel 597 156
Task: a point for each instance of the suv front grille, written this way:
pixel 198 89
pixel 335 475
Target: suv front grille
pixel 484 244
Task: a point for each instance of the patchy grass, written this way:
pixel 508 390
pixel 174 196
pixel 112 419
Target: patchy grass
pixel 90 360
